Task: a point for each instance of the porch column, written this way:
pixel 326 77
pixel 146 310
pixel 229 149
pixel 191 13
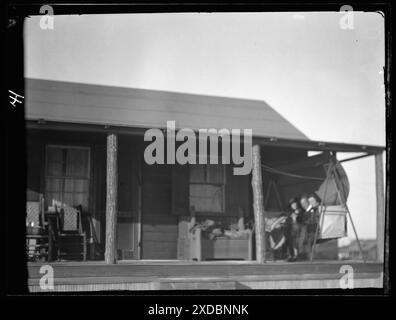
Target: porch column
pixel 379 187
pixel 111 199
pixel 258 205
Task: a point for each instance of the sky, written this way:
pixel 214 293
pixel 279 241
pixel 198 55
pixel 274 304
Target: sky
pixel 326 80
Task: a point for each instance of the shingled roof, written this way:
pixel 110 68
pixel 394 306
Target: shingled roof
pixel 129 107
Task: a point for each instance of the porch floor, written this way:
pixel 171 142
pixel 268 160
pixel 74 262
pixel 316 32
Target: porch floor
pixel 185 275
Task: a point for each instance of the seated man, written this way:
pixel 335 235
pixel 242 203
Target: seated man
pixel 302 236
pixel 312 219
pixel 292 229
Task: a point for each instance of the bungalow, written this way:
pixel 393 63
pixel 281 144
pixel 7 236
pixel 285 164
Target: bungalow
pixel 85 146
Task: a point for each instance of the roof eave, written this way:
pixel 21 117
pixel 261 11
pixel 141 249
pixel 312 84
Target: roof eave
pixel 314 145
pixel 310 145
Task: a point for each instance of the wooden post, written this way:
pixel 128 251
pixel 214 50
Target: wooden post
pixel 258 205
pixel 140 199
pixel 379 186
pixel 111 199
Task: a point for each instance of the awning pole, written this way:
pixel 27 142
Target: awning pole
pixel 329 171
pixel 379 187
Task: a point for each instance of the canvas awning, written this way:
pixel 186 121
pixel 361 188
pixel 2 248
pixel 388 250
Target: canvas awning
pixel 334 190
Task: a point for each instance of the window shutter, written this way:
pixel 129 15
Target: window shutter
pixel 180 189
pixel 237 192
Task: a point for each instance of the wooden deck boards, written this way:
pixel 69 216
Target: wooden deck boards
pixel 217 269
pixel 156 275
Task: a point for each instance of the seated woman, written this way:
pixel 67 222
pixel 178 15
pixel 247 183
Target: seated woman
pixel 292 229
pixel 275 228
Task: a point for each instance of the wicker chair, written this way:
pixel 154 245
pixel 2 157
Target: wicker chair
pixel 36 231
pixel 70 235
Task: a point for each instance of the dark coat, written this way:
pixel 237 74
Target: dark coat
pixel 299 219
pixel 311 219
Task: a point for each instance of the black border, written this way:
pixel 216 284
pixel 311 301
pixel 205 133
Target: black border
pixel 15 157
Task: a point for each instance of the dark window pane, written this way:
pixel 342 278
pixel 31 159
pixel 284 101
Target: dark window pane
pixel 55 169
pixel 77 163
pixel 69 185
pixel 215 173
pixel 206 198
pixel 197 173
pixel 54 185
pixel 80 185
pixel 54 154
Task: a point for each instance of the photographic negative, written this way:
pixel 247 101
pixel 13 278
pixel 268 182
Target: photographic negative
pixel 193 151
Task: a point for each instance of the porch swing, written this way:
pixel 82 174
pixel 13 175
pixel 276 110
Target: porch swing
pixel 333 209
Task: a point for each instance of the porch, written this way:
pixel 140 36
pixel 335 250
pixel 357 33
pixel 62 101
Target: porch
pixel 151 217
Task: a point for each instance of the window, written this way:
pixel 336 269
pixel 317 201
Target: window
pixel 207 187
pixel 67 175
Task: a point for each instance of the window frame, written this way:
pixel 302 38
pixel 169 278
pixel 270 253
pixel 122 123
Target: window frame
pixel 64 177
